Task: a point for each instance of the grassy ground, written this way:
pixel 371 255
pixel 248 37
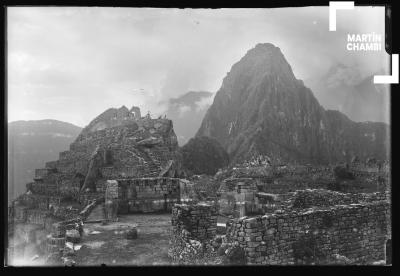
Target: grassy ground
pixel 110 246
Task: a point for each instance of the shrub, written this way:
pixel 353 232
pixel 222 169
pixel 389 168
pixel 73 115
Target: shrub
pixel 204 155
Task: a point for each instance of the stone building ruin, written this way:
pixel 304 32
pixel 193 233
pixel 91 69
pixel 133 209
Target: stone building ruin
pixel 289 215
pixel 120 163
pixel 123 163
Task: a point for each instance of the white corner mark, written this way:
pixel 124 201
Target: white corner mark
pixel 394 78
pixel 337 5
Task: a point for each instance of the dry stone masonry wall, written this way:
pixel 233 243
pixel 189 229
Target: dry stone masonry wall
pixel 194 227
pixel 356 233
pixel 148 194
pixel 198 221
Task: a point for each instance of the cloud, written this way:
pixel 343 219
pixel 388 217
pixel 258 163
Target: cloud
pixel 183 109
pixel 72 63
pixel 204 103
pixel 348 75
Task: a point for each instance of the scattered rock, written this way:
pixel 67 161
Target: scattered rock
pixel 132 234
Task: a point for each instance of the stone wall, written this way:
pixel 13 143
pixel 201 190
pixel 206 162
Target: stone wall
pixel 198 222
pixel 40 173
pixel 323 198
pixel 36 216
pixel 356 233
pixel 150 194
pixel 290 184
pixel 24 214
pixel 125 172
pixel 237 196
pixel 60 187
pixel 193 229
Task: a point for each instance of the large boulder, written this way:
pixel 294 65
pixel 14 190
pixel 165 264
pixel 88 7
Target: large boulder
pixel 132 234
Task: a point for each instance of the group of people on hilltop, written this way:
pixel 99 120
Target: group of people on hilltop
pixel 148 116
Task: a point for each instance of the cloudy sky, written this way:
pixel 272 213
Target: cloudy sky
pixel 71 64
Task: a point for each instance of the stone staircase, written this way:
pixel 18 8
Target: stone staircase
pixel 97 214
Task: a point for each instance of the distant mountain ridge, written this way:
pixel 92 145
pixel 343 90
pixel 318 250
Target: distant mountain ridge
pixel 187 112
pixel 343 88
pixel 30 145
pixel 261 108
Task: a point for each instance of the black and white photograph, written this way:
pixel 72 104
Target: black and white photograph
pixel 163 136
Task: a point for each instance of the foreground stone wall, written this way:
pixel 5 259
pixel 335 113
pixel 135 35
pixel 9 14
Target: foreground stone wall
pixel 193 229
pixel 198 222
pixel 356 233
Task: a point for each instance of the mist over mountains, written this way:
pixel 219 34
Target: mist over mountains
pixel 187 112
pixel 343 88
pixel 261 108
pixel 30 145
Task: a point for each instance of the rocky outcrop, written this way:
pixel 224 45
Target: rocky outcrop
pixel 261 108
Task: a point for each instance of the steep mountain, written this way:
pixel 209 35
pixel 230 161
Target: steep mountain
pixel 261 108
pixel 30 145
pixel 342 88
pixel 187 111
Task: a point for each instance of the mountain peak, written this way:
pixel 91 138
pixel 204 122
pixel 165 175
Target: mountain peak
pixel 264 60
pixel 266 47
pixel 262 108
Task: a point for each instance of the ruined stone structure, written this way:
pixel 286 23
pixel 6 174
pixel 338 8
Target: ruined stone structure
pixel 305 227
pixel 237 196
pixel 198 222
pixel 119 163
pixel 193 228
pixel 122 163
pixel 148 194
pixel 250 189
pixel 356 233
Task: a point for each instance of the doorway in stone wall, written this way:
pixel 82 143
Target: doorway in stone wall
pixel 108 157
pixel 389 252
